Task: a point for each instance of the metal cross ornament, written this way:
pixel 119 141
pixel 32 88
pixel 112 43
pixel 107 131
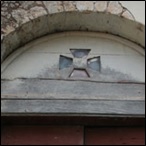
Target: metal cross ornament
pixel 79 62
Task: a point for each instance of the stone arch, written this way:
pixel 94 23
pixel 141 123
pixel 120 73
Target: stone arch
pixel 35 19
pixel 43 100
pixel 27 25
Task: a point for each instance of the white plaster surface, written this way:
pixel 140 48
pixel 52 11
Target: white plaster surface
pixel 137 8
pixel 43 54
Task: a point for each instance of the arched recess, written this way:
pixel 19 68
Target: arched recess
pixel 127 30
pixel 75 73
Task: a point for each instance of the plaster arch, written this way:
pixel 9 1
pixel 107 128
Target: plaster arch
pixel 82 16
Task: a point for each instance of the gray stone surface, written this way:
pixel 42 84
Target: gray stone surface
pixel 114 7
pixel 69 5
pixel 13 12
pixel 53 6
pixel 101 6
pixel 85 5
pixel 128 15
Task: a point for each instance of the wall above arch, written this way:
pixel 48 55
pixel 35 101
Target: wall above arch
pixel 26 21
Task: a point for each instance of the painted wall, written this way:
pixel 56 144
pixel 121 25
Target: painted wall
pixel 137 8
pixel 120 59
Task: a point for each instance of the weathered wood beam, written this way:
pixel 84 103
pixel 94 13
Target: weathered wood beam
pixel 74 107
pixel 54 89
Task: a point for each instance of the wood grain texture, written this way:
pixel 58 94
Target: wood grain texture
pixel 63 89
pixel 115 136
pixel 73 107
pixel 42 135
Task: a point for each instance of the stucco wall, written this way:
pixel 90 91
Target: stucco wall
pixel 137 8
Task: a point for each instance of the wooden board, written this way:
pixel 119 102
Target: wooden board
pixel 42 135
pixel 63 89
pixel 115 136
pixel 73 107
pixel 71 135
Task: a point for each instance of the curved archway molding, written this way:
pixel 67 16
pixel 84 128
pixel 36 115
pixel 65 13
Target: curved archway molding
pixel 72 21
